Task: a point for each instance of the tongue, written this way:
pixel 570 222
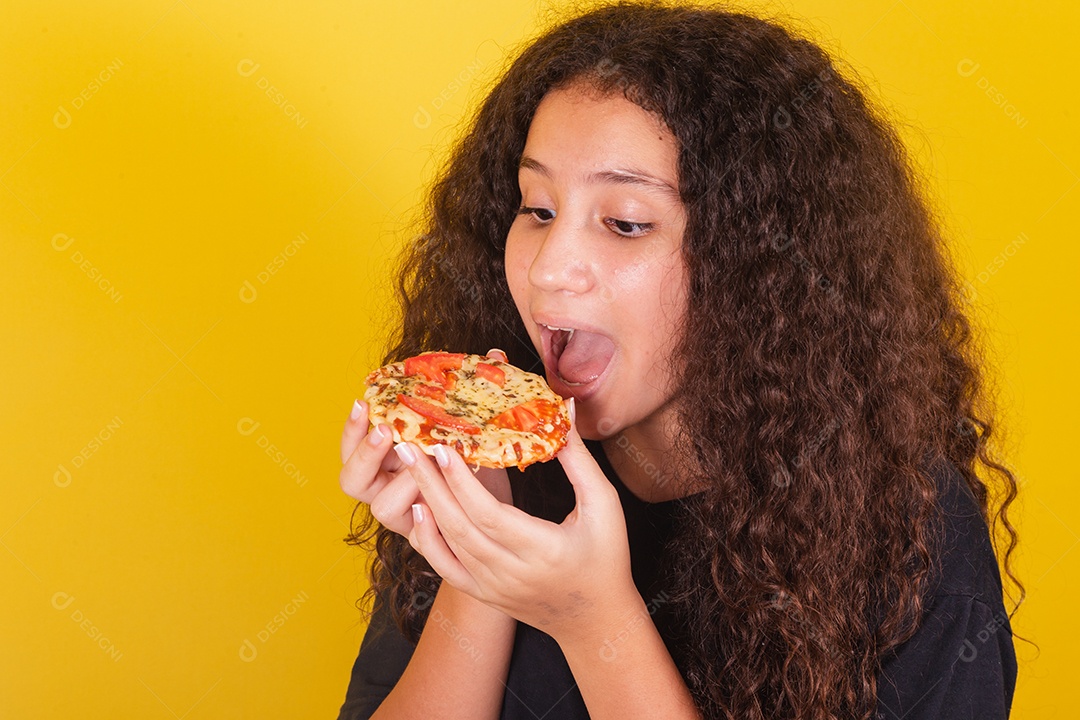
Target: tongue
pixel 585 357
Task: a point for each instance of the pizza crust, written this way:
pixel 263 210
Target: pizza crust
pixel 475 400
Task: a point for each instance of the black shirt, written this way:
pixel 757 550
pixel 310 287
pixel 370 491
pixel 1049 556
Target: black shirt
pixel 959 664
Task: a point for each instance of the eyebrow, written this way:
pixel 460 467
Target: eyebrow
pixel 620 176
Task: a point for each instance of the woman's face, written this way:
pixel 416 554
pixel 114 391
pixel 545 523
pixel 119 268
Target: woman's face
pixel 594 259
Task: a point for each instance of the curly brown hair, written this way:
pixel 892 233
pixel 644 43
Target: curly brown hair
pixel 826 360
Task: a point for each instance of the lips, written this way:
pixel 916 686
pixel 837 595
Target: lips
pixel 575 358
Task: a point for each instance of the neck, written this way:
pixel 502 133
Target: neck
pixel 642 459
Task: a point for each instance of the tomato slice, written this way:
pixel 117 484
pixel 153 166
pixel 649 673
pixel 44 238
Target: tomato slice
pixel 430 391
pixel 491 372
pixel 437 415
pixel 434 366
pixel 516 418
pixel 527 415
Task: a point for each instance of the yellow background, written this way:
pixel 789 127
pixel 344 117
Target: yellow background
pixel 141 342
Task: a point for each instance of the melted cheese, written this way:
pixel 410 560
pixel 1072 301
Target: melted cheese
pixel 476 400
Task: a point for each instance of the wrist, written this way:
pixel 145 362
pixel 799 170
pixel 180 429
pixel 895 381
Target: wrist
pixel 603 632
pixel 458 602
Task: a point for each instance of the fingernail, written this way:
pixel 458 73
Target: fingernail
pixel 376 435
pixel 497 350
pixel 357 408
pixel 417 513
pixel 573 412
pixel 405 453
pixel 442 456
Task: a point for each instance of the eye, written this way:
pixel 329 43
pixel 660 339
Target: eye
pixel 539 215
pixel 628 228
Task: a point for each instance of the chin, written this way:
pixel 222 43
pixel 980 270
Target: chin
pixel 591 427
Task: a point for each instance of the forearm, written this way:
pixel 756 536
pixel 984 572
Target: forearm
pixel 459 667
pixel 625 671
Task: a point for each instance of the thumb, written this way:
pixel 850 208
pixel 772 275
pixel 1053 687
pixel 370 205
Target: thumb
pixel 581 468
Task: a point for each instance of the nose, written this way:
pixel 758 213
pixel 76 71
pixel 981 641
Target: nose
pixel 563 259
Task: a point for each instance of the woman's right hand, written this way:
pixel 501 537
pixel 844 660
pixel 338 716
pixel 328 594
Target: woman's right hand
pixel 372 474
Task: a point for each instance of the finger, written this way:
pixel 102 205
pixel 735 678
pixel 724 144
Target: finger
pixel 497 354
pixel 455 525
pixel 591 487
pixel 502 522
pixel 391 504
pixel 427 540
pixel 359 475
pixel 355 429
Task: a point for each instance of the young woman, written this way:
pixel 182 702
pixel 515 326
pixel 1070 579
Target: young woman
pixel 709 241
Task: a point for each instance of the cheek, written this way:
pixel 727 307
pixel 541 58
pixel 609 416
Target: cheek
pixel 651 287
pixel 673 306
pixel 516 261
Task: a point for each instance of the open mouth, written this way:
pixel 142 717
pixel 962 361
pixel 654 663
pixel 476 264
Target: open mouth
pixel 575 357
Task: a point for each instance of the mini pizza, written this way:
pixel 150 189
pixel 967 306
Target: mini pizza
pixel 492 413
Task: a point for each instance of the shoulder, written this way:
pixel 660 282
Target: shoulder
pixel 960 662
pixel 965 564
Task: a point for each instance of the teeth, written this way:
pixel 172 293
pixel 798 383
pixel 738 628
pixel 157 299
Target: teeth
pixel 569 330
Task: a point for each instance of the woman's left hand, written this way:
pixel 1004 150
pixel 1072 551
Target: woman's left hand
pixel 572 580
